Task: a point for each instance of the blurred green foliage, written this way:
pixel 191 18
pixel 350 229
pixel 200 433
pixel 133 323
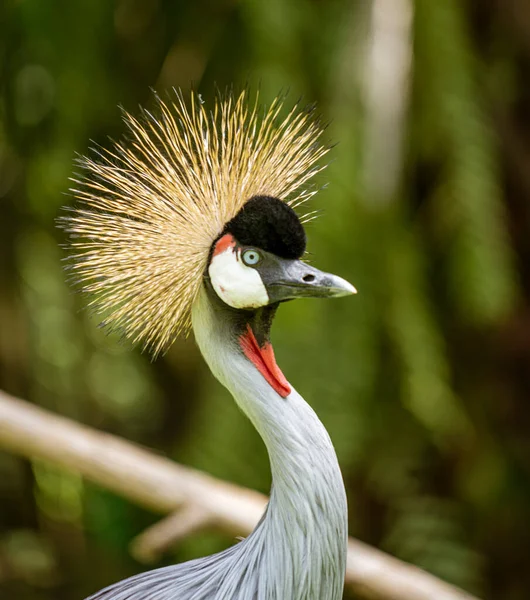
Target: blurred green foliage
pixel 422 380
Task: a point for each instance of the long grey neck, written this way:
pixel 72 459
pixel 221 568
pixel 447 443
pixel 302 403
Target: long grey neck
pixel 301 542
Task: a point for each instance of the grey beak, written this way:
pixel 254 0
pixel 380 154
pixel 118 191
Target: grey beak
pixel 291 279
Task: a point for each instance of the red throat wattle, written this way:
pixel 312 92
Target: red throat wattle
pixel 263 359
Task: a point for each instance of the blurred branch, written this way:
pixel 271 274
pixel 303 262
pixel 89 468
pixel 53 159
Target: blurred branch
pixel 164 486
pixel 153 542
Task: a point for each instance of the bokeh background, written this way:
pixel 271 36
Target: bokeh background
pixel 423 379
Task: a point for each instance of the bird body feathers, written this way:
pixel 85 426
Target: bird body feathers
pixel 298 550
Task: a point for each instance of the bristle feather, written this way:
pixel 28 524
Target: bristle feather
pixel 151 206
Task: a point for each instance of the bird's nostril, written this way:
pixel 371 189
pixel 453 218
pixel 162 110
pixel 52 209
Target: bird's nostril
pixel 308 278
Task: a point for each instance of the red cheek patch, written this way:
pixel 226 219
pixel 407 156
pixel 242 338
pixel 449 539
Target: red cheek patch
pixel 223 243
pixel 263 359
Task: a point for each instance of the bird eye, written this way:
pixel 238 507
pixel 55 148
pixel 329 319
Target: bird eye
pixel 251 257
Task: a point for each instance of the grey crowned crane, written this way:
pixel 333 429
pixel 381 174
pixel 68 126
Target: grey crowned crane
pixel 190 224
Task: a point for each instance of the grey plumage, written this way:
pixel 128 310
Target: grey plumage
pixel 298 550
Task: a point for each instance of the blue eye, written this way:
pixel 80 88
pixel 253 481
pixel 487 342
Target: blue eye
pixel 251 257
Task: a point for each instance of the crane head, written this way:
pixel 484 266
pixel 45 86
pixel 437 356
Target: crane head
pixel 256 259
pixel 191 193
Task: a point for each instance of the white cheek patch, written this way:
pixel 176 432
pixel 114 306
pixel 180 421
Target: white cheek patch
pixel 236 284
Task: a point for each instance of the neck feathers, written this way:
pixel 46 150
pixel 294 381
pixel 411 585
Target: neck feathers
pixel 301 541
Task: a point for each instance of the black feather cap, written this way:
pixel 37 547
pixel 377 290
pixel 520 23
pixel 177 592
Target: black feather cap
pixel 270 224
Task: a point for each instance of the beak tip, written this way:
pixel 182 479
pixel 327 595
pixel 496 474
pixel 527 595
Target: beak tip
pixel 352 290
pixel 343 287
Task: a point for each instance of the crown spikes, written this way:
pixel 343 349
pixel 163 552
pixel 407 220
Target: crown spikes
pixel 150 207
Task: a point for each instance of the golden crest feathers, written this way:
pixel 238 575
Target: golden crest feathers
pixel 149 208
